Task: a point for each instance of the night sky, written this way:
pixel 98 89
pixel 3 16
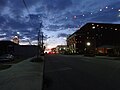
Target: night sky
pixel 59 17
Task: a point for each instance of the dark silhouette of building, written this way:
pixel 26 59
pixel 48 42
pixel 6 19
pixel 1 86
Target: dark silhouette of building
pixel 7 47
pixel 98 38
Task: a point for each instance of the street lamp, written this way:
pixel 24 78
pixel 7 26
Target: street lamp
pixel 88 43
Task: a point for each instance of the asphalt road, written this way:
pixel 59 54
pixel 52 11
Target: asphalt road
pixel 64 72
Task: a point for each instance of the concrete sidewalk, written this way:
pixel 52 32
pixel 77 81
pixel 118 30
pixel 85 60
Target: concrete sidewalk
pixel 25 75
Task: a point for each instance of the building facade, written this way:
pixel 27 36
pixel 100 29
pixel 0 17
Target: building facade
pixel 98 38
pixel 61 49
pixel 9 47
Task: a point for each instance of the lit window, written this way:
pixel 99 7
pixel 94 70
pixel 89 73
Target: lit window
pixel 97 25
pixel 92 24
pixel 93 27
pixel 80 41
pixel 101 27
pixel 105 27
pixel 87 37
pixel 111 28
pixel 116 29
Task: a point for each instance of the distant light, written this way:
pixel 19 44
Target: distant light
pixel 97 25
pixel 100 9
pixel 106 7
pixel 75 17
pixel 112 8
pixel 92 24
pixel 116 29
pixel 102 27
pixel 18 32
pixel 91 13
pixel 93 27
pixel 66 18
pixel 88 43
pixel 119 10
pixel 83 15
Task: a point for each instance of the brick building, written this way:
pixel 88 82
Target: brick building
pixel 103 39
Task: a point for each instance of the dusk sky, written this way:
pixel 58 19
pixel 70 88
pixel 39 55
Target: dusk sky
pixel 59 17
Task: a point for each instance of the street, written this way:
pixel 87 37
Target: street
pixel 64 72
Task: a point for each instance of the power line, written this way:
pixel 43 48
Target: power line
pixel 26 6
pixel 27 11
pixel 39 31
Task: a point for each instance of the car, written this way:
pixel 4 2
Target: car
pixel 7 57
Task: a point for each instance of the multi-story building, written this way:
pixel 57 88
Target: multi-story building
pixel 95 37
pixel 61 49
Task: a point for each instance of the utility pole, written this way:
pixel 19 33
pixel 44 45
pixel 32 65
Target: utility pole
pixel 40 40
pixel 42 47
pixel 38 52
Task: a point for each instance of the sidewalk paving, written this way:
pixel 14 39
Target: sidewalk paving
pixel 25 75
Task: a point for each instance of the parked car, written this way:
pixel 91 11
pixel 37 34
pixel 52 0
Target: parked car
pixel 7 57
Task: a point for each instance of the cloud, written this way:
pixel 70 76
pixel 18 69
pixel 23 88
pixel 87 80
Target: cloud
pixel 3 3
pixel 62 35
pixel 57 15
pixel 57 4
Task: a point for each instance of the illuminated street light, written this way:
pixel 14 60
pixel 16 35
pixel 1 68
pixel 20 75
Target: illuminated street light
pixel 88 43
pixel 93 27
